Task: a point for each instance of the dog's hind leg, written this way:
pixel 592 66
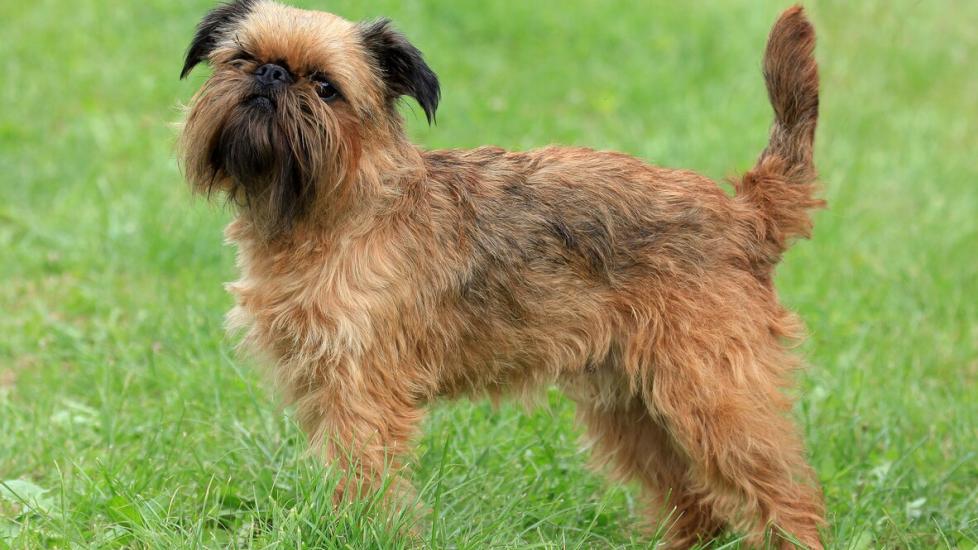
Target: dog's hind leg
pixel 634 446
pixel 721 401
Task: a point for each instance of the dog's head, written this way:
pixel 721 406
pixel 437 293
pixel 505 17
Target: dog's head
pixel 297 102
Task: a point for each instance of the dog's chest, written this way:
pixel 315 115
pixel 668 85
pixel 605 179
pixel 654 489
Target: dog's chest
pixel 316 303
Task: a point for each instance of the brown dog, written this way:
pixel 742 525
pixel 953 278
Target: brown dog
pixel 377 277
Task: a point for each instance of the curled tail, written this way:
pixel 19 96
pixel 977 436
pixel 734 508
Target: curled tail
pixel 780 189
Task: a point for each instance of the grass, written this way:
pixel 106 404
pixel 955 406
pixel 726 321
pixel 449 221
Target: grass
pixel 126 420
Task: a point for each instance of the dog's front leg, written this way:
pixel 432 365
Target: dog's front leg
pixel 363 422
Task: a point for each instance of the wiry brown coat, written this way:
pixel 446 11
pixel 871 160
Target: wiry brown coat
pixel 377 277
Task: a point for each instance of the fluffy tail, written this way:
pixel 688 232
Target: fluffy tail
pixel 780 189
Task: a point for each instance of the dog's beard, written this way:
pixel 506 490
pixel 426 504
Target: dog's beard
pixel 271 175
pixel 269 152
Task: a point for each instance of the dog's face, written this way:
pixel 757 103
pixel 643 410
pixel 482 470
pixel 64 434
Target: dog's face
pixel 297 101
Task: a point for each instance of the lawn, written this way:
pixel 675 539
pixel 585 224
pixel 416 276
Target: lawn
pixel 126 419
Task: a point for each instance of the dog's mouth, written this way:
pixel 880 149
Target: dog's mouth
pixel 260 102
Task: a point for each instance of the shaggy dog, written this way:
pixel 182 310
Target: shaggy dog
pixel 377 277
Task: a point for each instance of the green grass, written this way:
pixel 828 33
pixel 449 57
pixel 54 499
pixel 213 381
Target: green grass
pixel 126 419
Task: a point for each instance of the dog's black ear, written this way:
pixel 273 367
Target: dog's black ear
pixel 209 31
pixel 404 68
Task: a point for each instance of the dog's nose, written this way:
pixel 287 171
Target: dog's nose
pixel 273 75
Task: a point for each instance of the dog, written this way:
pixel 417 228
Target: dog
pixel 377 277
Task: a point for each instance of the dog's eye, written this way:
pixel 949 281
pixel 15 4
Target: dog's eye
pixel 240 59
pixel 325 88
pixel 327 91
